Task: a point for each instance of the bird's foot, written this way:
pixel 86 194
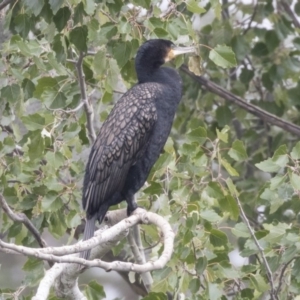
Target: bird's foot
pixel 131 208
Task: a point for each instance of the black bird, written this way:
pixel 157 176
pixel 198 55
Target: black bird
pixel 134 134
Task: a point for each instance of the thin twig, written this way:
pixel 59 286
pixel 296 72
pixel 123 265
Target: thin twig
pixel 260 249
pixel 139 215
pixel 87 106
pixel 108 16
pixel 22 218
pixel 287 7
pixel 136 246
pixel 4 3
pixel 281 275
pixel 260 113
pixel 251 20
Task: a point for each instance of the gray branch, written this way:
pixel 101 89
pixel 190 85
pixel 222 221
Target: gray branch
pixel 22 218
pixel 252 109
pixel 87 106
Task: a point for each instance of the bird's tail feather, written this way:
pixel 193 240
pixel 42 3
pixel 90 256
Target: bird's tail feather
pixel 88 233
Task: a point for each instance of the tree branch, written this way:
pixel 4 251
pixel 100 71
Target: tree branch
pixel 134 239
pixel 260 113
pixel 139 215
pixel 287 7
pixel 22 218
pixel 4 3
pixel 260 249
pixel 64 276
pixel 87 106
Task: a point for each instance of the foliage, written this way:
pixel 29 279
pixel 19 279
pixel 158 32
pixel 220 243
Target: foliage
pixel 217 152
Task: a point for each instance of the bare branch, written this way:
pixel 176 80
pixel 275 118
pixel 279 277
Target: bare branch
pixel 281 276
pixel 260 249
pixel 260 113
pixel 87 106
pixel 22 218
pixel 139 215
pixel 4 3
pixel 287 7
pixel 134 239
pixel 64 276
pixel 252 19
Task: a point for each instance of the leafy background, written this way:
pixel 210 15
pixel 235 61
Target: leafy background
pixel 217 153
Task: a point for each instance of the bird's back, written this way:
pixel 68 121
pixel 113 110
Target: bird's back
pixel 122 140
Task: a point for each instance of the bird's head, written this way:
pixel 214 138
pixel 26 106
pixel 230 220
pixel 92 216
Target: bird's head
pixel 159 51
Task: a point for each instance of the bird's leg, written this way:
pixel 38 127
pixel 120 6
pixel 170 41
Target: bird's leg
pixel 131 204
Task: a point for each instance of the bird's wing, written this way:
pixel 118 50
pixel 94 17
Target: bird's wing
pixel 122 139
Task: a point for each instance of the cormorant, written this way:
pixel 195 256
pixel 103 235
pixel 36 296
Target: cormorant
pixel 133 135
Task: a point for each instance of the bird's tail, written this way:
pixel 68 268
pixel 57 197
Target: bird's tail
pixel 88 233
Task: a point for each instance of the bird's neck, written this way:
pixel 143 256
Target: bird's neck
pixel 163 75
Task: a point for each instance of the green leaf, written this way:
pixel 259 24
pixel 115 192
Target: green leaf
pixel 24 49
pixel 214 291
pixel 79 13
pixel 59 101
pixel 61 18
pixel 201 265
pixel 193 6
pixel 33 122
pixel 34 269
pixel 51 202
pixel 228 167
pixel 273 198
pixel 238 151
pixel 246 75
pixel 223 56
pixel 11 93
pixel 122 53
pixel 54 160
pixel 273 40
pixel 231 187
pixel 259 282
pixel 73 219
pixel 155 296
pixel 89 6
pixel 295 181
pixel 36 146
pixel 223 115
pixel 28 88
pixel 194 285
pixel 289 254
pixel 161 33
pixel 194 65
pixel 57 225
pixel 59 47
pixel 295 154
pixel 94 291
pixel 34 5
pixel 276 232
pixel 197 135
pixel 229 204
pixel 218 238
pixel 210 216
pixel 260 49
pixel 276 181
pixel 45 83
pixel 112 74
pixel 55 5
pixel 223 134
pixel 268 166
pixel 22 24
pixel 99 63
pixel 78 37
pixel 241 230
